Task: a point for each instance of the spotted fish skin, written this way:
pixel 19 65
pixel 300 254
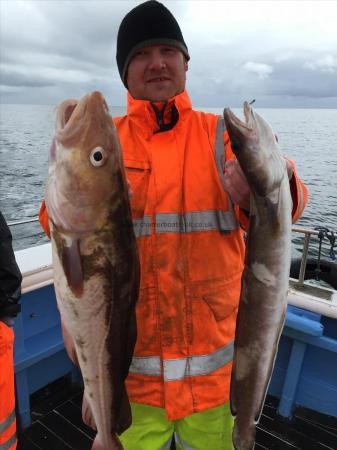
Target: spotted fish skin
pixel 265 278
pixel 95 259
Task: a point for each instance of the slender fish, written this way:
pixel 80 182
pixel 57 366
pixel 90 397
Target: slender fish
pixel 96 267
pixel 265 279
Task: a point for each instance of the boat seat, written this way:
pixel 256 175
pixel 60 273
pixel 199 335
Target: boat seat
pixel 304 330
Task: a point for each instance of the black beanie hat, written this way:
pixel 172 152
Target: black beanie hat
pixel 149 23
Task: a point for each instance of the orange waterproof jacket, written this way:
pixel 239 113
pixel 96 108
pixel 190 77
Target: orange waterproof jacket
pixel 8 438
pixel 191 251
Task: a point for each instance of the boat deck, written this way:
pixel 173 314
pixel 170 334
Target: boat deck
pixel 57 424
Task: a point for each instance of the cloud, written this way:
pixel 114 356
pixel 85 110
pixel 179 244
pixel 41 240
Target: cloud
pixel 326 64
pixel 283 56
pixel 51 50
pixel 17 75
pixel 261 70
pixel 7 89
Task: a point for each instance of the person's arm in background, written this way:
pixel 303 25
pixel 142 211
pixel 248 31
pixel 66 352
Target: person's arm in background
pixel 10 293
pixel 43 218
pixel 10 275
pixel 237 187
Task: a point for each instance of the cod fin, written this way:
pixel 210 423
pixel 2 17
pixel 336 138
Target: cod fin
pixel 232 403
pixel 115 444
pixel 69 344
pixel 72 266
pixel 87 415
pixel 124 416
pixel 271 368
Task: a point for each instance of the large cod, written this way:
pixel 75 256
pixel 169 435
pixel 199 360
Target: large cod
pixel 265 279
pixel 96 266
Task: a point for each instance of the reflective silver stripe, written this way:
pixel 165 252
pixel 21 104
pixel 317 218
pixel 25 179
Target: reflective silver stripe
pixel 146 365
pixel 220 159
pixel 7 422
pixel 219 149
pixel 195 221
pixel 179 368
pixel 142 227
pixel 8 444
pixel 182 443
pixel 167 446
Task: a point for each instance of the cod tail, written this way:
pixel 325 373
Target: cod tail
pixel 243 439
pixel 114 444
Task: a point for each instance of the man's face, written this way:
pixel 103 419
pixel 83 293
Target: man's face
pixel 157 73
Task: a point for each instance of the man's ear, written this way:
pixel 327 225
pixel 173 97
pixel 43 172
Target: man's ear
pixel 186 65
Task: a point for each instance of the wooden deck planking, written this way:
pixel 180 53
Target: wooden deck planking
pixel 57 425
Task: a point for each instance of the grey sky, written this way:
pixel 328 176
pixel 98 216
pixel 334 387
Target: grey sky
pixel 283 53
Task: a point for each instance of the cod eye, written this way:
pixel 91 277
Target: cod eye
pixel 97 156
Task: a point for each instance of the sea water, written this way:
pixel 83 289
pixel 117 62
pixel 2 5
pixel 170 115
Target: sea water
pixel 308 136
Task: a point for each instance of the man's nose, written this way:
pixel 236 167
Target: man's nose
pixel 157 62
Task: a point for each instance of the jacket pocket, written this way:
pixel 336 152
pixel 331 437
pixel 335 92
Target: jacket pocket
pixel 220 303
pixel 221 297
pixel 138 175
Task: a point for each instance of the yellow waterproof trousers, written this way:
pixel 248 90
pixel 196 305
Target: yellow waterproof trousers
pixel 207 430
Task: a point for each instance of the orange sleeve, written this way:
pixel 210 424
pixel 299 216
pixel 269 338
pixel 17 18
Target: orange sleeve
pixel 43 218
pixel 299 194
pixel 299 191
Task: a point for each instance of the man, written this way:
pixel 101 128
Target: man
pixel 187 208
pixel 10 292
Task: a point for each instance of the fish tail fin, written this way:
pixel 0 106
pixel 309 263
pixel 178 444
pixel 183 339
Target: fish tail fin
pixel 97 444
pixel 87 415
pixel 271 367
pixel 232 403
pixel 243 439
pixel 114 444
pixel 124 416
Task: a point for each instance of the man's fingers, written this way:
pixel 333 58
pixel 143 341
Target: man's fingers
pixel 232 167
pixel 129 188
pixel 234 175
pixel 87 415
pixel 236 184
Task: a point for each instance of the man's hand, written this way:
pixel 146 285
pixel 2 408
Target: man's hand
pixel 129 189
pixel 236 183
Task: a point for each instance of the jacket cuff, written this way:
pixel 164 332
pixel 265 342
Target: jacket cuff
pixel 43 218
